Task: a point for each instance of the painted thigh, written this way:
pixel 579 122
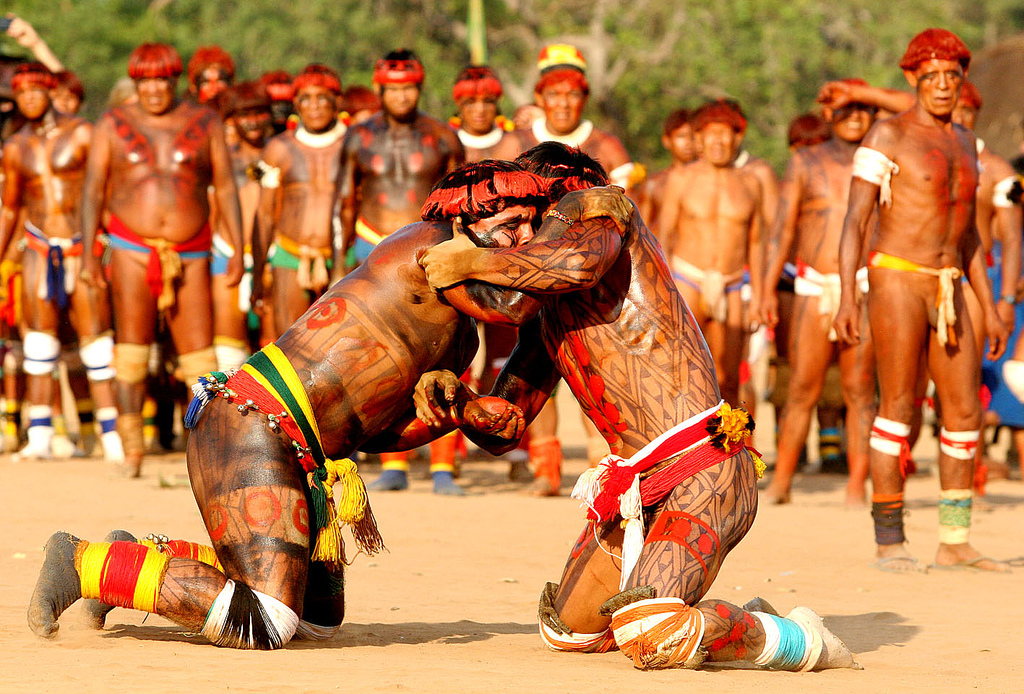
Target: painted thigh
pixel 252 497
pixel 191 319
pixel 696 527
pixel 810 351
pixel 898 311
pixel 134 306
pixel 290 300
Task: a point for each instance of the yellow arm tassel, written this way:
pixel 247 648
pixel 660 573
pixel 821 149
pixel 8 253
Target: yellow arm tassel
pixel 330 547
pixel 352 499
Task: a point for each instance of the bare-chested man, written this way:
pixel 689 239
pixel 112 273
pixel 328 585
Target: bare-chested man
pixel 613 325
pixel 678 139
pixel 479 126
pixel 711 221
pixel 921 169
pixel 300 168
pixel 246 109
pixel 815 194
pixel 43 169
pixel 562 92
pixel 388 165
pixel 150 165
pixel 345 374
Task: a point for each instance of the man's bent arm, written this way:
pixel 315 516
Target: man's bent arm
pixel 346 188
pixel 11 197
pixel 94 188
pixel 226 192
pixel 863 196
pixel 782 232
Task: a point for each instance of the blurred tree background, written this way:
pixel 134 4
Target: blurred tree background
pixel 646 57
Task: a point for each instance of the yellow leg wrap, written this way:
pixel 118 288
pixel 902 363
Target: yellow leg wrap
pixel 131 362
pixel 192 365
pixel 123 574
pixel 395 461
pixel 129 427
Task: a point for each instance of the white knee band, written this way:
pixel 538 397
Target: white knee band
pixel 229 356
pixel 659 632
pixel 244 618
pixel 41 352
pixel 97 357
pixel 1013 376
pixel 885 444
pixel 579 643
pixel 959 444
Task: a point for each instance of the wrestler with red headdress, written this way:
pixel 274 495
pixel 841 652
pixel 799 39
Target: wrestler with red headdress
pixel 43 169
pixel 388 165
pixel 711 223
pixel 266 455
pixel 151 165
pixel 815 192
pixel 298 172
pixel 679 490
pixel 921 171
pixel 278 84
pixel 476 94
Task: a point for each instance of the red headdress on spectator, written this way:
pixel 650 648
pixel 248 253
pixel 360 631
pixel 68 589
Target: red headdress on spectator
pixel 561 62
pixel 935 44
pixel 676 120
pixel 483 190
pixel 317 75
pixel 209 56
pixel 154 60
pixel 970 97
pixel 721 111
pixel 476 80
pixel 398 67
pixel 29 75
pixel 278 84
pixel 808 129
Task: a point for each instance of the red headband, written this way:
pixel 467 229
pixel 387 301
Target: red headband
pixel 32 75
pixel 398 72
pixel 935 44
pixel 317 75
pixel 719 112
pixel 488 195
pixel 970 97
pixel 476 81
pixel 154 61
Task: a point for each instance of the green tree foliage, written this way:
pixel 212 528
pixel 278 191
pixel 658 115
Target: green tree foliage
pixel 646 57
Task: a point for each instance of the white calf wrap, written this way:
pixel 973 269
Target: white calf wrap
pixel 1013 376
pixel 314 632
pixel 659 632
pixel 1001 192
pixel 888 426
pixel 575 642
pixel 874 167
pixel 959 444
pixel 97 357
pixel 279 619
pixel 620 175
pixel 41 352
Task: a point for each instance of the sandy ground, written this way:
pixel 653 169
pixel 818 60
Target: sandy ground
pixel 452 605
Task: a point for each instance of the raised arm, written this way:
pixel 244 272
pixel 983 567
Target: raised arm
pixel 835 95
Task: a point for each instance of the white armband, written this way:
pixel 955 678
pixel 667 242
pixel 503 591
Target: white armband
pixel 874 167
pixel 1001 193
pixel 270 175
pixel 622 175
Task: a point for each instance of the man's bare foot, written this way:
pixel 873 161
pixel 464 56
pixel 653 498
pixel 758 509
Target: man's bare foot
pixel 834 653
pixel 775 494
pixel 543 486
pixel 896 559
pixel 95 610
pixel 856 498
pixel 132 465
pixel 966 558
pixel 58 586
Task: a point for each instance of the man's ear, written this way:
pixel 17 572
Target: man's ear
pixel 911 78
pixel 537 100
